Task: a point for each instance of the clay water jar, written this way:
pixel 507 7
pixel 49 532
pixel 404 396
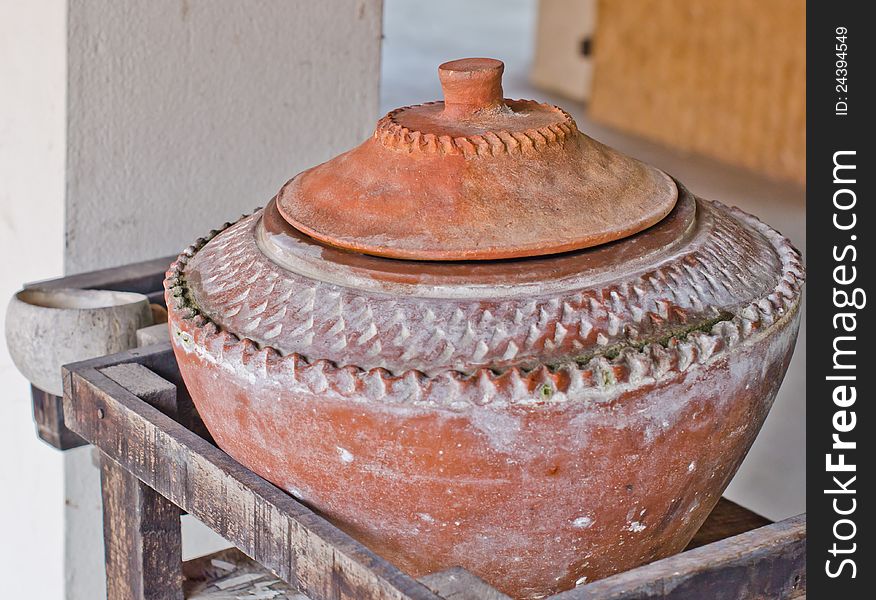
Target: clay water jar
pixel 481 338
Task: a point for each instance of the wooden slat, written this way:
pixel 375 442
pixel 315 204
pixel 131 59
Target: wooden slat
pixel 154 334
pixel 146 385
pixel 141 536
pixel 267 524
pixel 202 574
pixel 766 563
pixel 459 584
pixel 726 520
pixel 160 360
pixel 143 277
pixel 48 415
pixel 230 574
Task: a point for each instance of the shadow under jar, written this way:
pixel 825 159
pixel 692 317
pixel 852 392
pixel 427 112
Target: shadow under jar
pixel 481 338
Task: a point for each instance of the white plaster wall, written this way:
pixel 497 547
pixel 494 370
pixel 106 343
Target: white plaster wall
pixel 185 113
pixel 32 129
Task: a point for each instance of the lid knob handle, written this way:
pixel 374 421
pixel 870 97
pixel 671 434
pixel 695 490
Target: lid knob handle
pixel 471 85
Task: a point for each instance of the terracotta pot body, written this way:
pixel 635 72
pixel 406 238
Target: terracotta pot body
pixel 540 421
pixel 530 499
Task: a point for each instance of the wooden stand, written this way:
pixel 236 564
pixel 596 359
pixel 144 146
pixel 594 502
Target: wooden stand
pixel 157 460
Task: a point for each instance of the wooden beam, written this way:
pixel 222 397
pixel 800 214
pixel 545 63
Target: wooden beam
pixel 230 573
pixel 141 536
pixel 48 415
pixel 160 360
pixel 769 562
pixel 146 385
pixel 154 334
pixel 143 277
pixel 726 520
pixel 459 584
pixel 209 577
pixel 267 524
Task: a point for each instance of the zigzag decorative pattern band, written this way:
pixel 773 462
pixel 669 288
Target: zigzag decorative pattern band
pixel 606 366
pixel 392 134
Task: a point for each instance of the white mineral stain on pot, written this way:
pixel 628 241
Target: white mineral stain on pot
pixel 182 339
pixel 500 429
pixel 636 527
pixel 346 455
pixel 426 517
pixel 582 522
pixel 692 467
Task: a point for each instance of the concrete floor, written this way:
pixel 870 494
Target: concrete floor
pixel 421 34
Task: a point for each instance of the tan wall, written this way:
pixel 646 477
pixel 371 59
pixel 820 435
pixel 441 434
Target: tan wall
pixel 726 79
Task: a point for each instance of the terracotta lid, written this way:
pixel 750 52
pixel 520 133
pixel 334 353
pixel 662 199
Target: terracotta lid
pixel 476 177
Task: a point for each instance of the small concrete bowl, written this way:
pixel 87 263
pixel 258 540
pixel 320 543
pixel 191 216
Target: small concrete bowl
pixel 48 328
